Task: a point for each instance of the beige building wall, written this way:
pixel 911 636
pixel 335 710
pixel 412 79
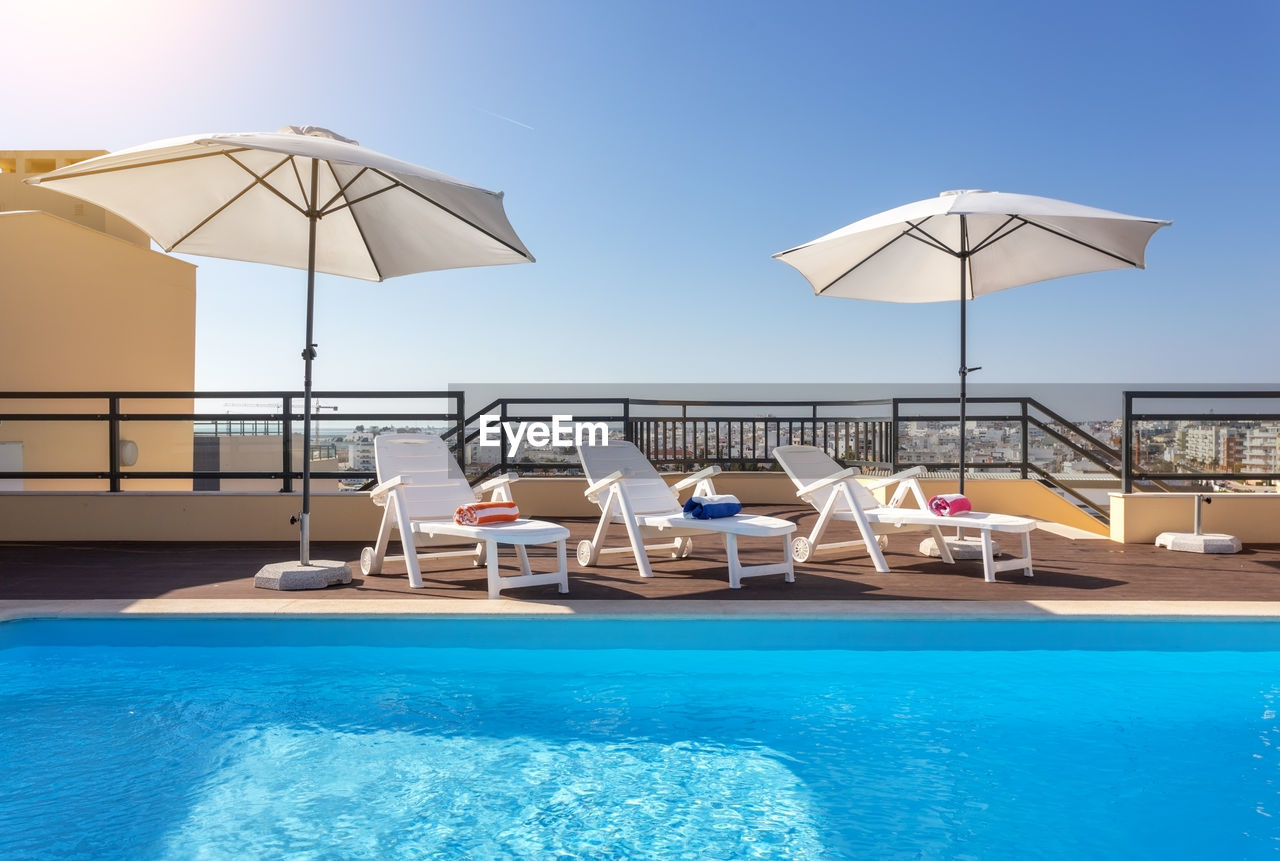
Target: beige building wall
pixel 264 515
pixel 89 307
pixel 262 453
pixel 1137 518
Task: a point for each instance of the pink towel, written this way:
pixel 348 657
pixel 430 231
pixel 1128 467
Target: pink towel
pixel 484 513
pixel 947 504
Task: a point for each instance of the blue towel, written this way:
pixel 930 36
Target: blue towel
pixel 707 507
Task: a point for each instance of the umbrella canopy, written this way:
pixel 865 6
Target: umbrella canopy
pixel 303 197
pixel 964 244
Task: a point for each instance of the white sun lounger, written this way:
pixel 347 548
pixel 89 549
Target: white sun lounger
pixel 630 491
pixel 839 496
pixel 421 486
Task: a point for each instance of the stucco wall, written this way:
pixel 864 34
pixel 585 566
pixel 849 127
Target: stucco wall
pixel 1137 518
pixel 84 311
pixel 31 516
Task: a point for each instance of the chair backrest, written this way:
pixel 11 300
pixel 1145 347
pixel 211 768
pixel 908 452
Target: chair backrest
pixel 807 464
pixel 436 485
pixel 646 490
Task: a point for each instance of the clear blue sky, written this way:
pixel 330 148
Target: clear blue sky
pixel 655 154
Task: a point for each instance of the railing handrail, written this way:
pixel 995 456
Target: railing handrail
pixel 1129 472
pixel 285 417
pixel 727 433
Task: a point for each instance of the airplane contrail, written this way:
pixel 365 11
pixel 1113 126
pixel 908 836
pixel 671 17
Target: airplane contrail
pixel 508 119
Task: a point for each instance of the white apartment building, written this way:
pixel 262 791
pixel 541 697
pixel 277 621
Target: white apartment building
pixel 360 451
pixel 1262 449
pixel 1220 447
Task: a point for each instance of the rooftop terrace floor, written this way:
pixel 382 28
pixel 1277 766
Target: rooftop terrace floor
pixel 1072 575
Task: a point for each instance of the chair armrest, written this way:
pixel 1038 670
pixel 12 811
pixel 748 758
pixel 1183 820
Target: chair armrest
pixel 821 483
pixel 496 481
pixel 611 478
pixel 696 477
pixel 897 477
pixel 387 486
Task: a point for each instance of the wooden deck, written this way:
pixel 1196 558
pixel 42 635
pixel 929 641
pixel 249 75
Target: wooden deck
pixel 1066 569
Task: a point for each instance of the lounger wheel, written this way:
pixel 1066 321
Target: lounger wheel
pixel 801 549
pixel 366 561
pixel 584 553
pixel 684 546
pixel 882 541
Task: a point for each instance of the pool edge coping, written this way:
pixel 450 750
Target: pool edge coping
pixel 11 610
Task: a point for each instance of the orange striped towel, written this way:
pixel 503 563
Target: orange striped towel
pixel 484 513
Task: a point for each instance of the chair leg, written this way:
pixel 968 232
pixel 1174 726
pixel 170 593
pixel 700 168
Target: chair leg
pixel 372 562
pixel 735 567
pixel 634 533
pixel 491 565
pixel 864 527
pixel 944 549
pixel 988 558
pixel 562 561
pixel 589 551
pixel 408 540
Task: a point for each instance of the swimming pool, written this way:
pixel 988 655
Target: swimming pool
pixel 573 738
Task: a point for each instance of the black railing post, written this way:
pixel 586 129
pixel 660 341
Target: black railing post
pixel 1025 446
pixel 626 420
pixel 286 437
pixel 893 437
pixel 1126 446
pixel 113 440
pixel 684 436
pixel 460 425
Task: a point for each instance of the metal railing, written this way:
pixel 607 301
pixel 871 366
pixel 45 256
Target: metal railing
pixel 679 434
pixel 287 420
pixel 1228 468
pixel 673 434
pixel 1030 415
pixel 686 434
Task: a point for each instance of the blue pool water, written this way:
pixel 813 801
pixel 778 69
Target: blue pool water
pixel 716 739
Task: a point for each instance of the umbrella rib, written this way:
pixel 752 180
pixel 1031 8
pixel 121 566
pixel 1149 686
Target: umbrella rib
pixel 928 238
pixel 909 232
pixel 1090 246
pixel 261 179
pixel 348 204
pixel 445 209
pixel 156 163
pixel 997 234
pixel 258 180
pixel 302 190
pixel 342 189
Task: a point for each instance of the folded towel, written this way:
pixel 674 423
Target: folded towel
pixel 707 507
pixel 484 513
pixel 947 504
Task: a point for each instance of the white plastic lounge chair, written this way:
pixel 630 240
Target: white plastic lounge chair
pixel 420 486
pixel 838 495
pixel 630 491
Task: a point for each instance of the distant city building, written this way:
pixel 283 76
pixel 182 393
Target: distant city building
pixel 1262 449
pixel 1218 447
pixel 360 454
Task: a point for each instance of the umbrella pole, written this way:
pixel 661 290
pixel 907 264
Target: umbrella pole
pixel 308 354
pixel 964 361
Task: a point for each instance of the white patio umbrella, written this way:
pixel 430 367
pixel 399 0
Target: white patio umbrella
pixel 964 244
pixel 303 197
